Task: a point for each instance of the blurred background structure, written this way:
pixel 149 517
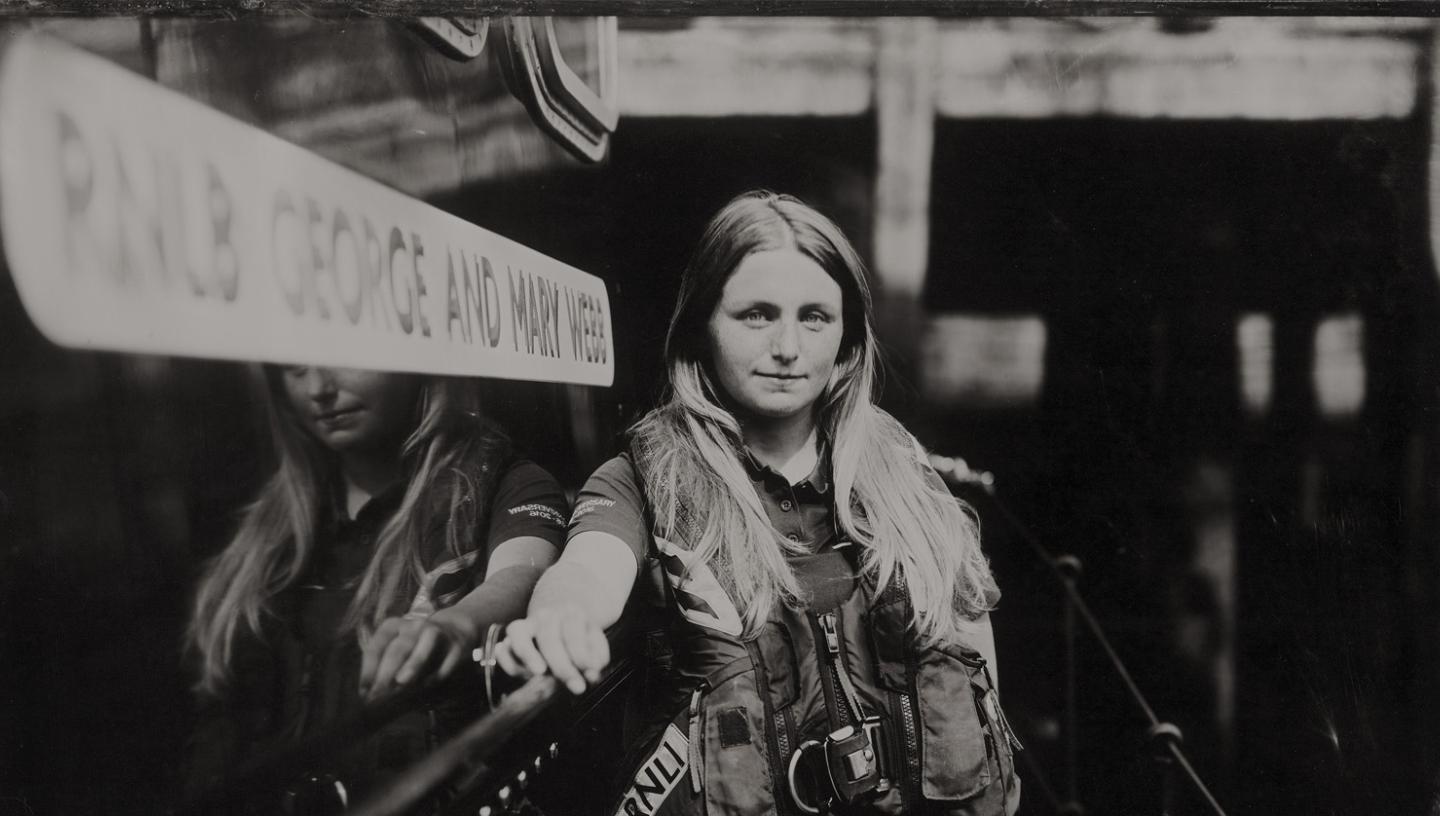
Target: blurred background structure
pixel 1171 280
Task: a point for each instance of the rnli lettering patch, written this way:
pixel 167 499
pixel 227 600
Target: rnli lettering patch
pixel 660 774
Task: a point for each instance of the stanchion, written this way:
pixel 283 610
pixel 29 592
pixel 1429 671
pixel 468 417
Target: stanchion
pixel 1165 738
pixel 1069 569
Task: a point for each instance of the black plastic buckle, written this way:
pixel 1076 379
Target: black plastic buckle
pixel 883 762
pixel 848 767
pixel 853 765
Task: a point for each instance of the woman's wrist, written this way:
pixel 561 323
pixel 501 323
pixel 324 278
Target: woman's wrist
pixel 460 627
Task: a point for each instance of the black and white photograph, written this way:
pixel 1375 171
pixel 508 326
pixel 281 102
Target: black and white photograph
pixel 719 408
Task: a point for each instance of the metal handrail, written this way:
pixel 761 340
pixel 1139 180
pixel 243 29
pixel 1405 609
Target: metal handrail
pixel 272 768
pixel 1065 568
pixel 460 764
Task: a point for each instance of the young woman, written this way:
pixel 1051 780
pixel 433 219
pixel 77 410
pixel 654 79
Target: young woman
pixel 827 597
pixel 396 528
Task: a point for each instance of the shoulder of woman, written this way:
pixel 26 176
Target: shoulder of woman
pixel 618 467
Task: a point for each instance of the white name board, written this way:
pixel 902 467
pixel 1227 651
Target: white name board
pixel 135 219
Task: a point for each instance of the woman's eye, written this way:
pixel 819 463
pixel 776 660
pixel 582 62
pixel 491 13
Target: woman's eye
pixel 815 318
pixel 754 317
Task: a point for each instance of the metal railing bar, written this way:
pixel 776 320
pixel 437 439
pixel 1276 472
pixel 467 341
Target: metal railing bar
pixel 471 747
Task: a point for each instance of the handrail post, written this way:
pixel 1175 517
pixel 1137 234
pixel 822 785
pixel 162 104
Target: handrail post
pixel 1164 737
pixel 1069 567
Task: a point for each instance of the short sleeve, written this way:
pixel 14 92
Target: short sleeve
pixel 612 501
pixel 528 502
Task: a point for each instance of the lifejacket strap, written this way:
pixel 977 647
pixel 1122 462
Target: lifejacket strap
pixel 697 733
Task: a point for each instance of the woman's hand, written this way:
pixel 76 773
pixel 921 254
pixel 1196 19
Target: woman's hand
pixel 404 650
pixel 562 640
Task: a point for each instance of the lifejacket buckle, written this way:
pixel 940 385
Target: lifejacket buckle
pixel 871 727
pixel 852 763
pixel 796 759
pixel 848 766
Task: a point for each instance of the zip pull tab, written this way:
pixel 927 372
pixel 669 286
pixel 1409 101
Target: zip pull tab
pixel 998 713
pixel 697 732
pixel 1005 723
pixel 832 636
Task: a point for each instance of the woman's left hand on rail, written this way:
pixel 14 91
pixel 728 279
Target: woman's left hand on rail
pixel 404 650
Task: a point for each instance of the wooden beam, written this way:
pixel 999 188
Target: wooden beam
pixel 1237 68
pixel 905 68
pixel 736 67
pixel 905 120
pixel 689 8
pixel 1224 69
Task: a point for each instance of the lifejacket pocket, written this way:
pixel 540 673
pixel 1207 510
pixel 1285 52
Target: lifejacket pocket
pixel 714 748
pixel 952 732
pixel 733 732
pixel 956 745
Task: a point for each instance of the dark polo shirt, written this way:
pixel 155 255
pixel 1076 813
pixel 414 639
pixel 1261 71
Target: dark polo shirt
pixel 612 501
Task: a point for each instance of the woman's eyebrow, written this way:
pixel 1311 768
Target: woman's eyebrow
pixel 750 303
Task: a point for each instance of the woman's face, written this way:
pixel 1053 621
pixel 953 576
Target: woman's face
pixel 351 410
pixel 775 334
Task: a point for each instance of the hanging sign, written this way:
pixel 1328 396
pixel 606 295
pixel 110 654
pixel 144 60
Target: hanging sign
pixel 135 219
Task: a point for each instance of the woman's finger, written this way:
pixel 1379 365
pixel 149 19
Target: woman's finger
pixel 419 654
pixel 552 645
pixel 374 649
pixel 600 649
pixel 454 654
pixel 395 654
pixel 521 637
pixel 575 634
pixel 508 663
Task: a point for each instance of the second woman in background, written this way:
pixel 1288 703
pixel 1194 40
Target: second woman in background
pixel 397 527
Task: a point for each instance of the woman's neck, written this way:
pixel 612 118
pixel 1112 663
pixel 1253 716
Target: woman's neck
pixel 788 448
pixel 365 477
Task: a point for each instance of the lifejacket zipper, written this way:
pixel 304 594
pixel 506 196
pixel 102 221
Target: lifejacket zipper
pixel 911 735
pixel 836 707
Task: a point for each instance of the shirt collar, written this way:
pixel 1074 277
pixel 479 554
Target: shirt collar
pixel 377 508
pixel 818 480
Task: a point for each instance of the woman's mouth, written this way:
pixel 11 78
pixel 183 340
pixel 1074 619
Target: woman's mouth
pixel 335 416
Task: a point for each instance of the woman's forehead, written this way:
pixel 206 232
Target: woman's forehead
pixel 783 274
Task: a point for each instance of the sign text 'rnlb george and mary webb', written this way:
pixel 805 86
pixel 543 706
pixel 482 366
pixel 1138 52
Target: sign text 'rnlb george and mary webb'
pixel 135 219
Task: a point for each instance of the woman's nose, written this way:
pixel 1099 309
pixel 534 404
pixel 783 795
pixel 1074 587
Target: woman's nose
pixel 319 383
pixel 785 341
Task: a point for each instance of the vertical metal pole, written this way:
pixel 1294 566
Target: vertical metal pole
pixel 1069 567
pixel 1162 736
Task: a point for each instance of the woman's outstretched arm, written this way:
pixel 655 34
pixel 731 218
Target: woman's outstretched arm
pixel 575 601
pixel 525 532
pixel 404 649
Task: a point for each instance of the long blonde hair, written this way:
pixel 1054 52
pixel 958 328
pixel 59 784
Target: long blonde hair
pixel 886 500
pixel 450 459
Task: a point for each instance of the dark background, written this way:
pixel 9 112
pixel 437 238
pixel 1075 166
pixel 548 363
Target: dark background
pixel 1139 244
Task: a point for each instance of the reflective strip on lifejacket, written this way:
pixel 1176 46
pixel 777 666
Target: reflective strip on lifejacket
pixel 701 598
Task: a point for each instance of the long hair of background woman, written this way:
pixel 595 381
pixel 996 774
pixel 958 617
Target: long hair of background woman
pixel 449 460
